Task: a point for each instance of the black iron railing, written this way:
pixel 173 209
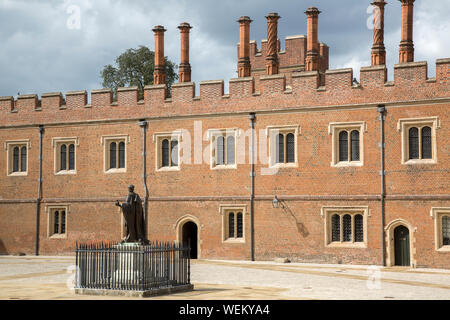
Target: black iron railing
pixel 131 267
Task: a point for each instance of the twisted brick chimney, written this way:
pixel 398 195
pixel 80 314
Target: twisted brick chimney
pixel 185 66
pixel 312 55
pixel 272 63
pixel 406 52
pixel 159 75
pixel 378 49
pixel 244 67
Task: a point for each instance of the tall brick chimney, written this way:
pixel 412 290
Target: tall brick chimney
pixel 378 49
pixel 272 63
pixel 244 67
pixel 159 75
pixel 312 54
pixel 406 52
pixel 185 66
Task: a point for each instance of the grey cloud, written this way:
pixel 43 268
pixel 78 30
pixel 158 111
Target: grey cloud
pixel 39 54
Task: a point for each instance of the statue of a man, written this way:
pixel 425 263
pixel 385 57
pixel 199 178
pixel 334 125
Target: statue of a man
pixel 133 214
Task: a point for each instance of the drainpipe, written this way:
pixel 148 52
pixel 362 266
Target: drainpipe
pixel 39 198
pixel 252 118
pixel 144 124
pixel 382 118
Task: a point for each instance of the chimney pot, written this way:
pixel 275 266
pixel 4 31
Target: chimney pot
pixel 272 63
pixel 185 66
pixel 159 74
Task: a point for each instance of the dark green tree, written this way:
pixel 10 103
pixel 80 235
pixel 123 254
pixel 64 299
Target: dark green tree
pixel 135 67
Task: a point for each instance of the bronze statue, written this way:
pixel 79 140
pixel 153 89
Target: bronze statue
pixel 133 214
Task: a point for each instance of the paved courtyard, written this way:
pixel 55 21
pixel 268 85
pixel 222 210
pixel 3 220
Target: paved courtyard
pixel 49 278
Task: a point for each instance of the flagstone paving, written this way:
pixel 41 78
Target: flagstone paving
pixel 50 278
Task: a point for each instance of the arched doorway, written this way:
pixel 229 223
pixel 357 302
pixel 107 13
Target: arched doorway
pixel 190 236
pixel 402 246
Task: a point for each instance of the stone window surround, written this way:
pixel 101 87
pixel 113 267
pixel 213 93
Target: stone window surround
pixel 50 209
pixel 437 214
pixel 271 133
pixel 403 127
pixel 334 129
pixel 212 136
pixel 9 146
pixel 106 141
pixel 224 210
pixel 56 143
pixel 157 139
pixel 329 211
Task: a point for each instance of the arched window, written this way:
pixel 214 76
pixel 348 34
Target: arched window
pixel 347 231
pixel 355 145
pixel 343 146
pixel 230 150
pixel 220 150
pixel 414 143
pixel 174 153
pixel 239 225
pixel 56 222
pixel 280 148
pixel 290 148
pixel 426 143
pixel 72 157
pixel 335 228
pixel 446 231
pixel 16 159
pixel 165 153
pixel 23 159
pixel 63 222
pixel 122 155
pixel 359 228
pixel 113 155
pixel 231 225
pixel 63 159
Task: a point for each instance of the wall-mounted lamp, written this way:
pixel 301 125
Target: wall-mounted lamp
pixel 276 203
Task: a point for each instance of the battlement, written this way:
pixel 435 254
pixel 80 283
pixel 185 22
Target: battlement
pixel 411 83
pixel 292 59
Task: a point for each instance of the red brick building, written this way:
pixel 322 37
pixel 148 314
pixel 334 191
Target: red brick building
pixel 343 172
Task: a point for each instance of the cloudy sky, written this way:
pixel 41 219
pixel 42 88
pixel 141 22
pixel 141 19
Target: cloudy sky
pixel 44 48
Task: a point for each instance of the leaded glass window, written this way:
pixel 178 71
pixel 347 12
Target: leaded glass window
pixel 113 155
pixel 239 225
pixel 355 145
pixel 290 148
pixel 426 143
pixel 280 148
pixel 56 222
pixel 16 159
pixel 174 153
pixel 23 159
pixel 343 146
pixel 122 155
pixel 230 150
pixel 335 228
pixel 165 153
pixel 347 230
pixel 446 230
pixel 63 158
pixel 72 157
pixel 231 225
pixel 413 143
pixel 359 228
pixel 220 151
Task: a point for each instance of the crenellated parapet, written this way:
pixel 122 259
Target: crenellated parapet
pixel 411 83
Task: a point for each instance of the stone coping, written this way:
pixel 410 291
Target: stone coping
pixel 336 71
pixel 135 294
pixel 411 64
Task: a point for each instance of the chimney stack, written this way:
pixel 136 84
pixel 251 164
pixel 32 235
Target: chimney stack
pixel 159 75
pixel 406 53
pixel 272 63
pixel 312 55
pixel 378 49
pixel 244 67
pixel 185 66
